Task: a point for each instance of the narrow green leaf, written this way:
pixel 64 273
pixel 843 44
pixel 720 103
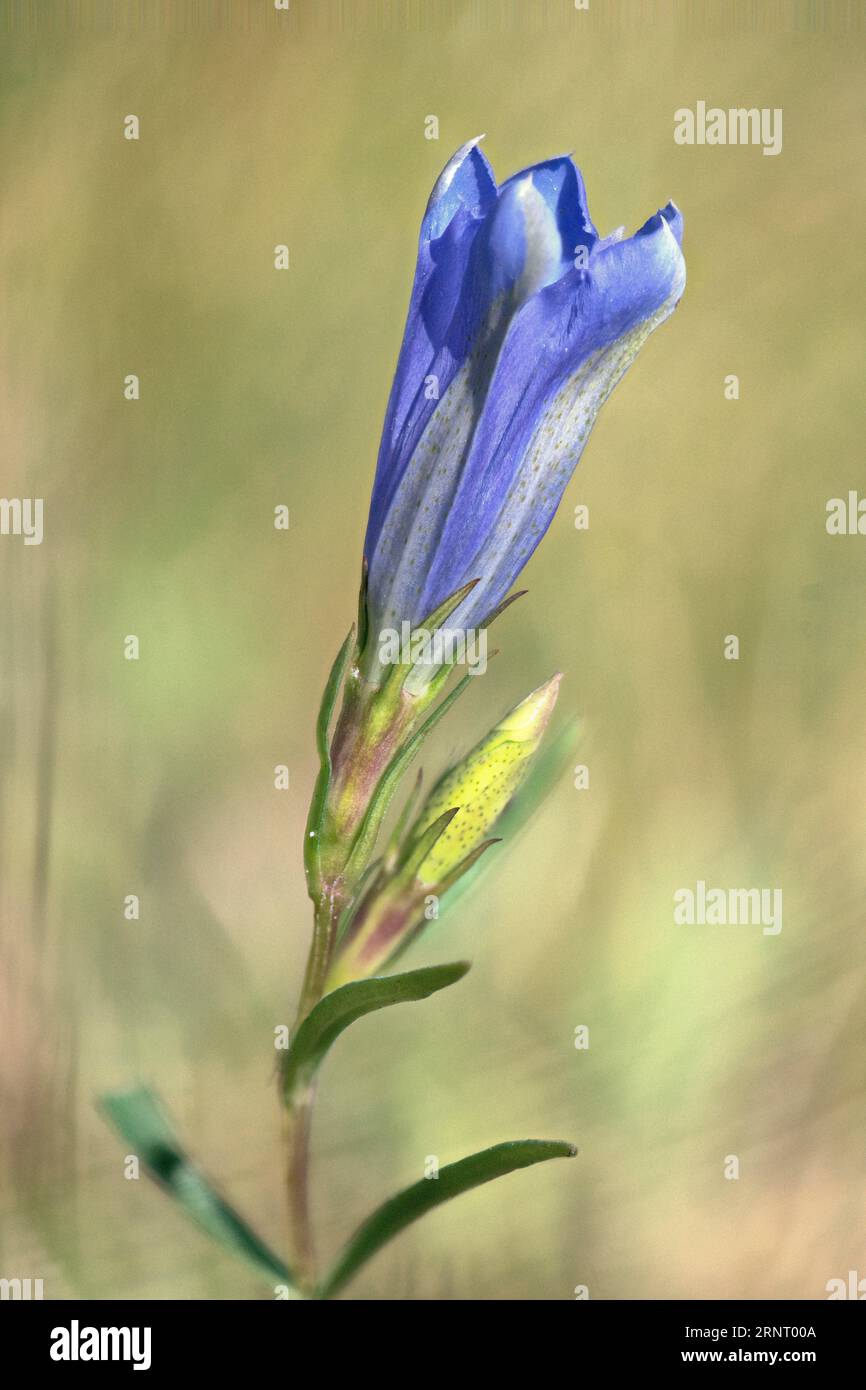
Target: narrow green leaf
pixel 422 679
pixel 397 837
pixel 363 614
pixel 427 681
pixel 347 916
pixel 437 616
pixel 466 865
pixel 320 791
pixel 142 1122
pixel 400 1211
pixel 324 1024
pixel 434 621
pixel 501 607
pixel 417 847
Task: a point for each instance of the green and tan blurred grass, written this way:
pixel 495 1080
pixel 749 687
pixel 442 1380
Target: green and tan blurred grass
pixel 155 778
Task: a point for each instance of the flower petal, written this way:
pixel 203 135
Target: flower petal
pixel 516 252
pixel 564 353
pixel 440 322
pixel 512 344
pixel 560 183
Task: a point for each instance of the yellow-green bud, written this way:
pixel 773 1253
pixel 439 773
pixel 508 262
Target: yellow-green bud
pixel 482 785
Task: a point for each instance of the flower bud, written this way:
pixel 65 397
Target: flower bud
pixel 481 786
pixel 451 832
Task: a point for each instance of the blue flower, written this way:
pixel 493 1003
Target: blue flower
pixel 521 321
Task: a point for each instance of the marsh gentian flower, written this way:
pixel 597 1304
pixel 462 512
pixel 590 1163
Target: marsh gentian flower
pixel 521 321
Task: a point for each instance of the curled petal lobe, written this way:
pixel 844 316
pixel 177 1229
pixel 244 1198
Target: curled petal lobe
pixel 560 183
pixel 444 311
pixel 466 182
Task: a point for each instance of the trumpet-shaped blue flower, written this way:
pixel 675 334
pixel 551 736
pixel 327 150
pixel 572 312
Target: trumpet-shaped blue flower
pixel 521 321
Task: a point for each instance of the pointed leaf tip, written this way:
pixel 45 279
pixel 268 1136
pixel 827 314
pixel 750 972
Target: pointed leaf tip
pixel 348 1002
pixel 455 1178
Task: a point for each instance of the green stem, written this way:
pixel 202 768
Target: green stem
pixel 326 918
pixel 302 1254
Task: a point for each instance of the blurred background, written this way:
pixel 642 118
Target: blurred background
pixel 155 777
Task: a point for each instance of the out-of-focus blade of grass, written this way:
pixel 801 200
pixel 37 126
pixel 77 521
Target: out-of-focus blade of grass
pixel 140 1118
